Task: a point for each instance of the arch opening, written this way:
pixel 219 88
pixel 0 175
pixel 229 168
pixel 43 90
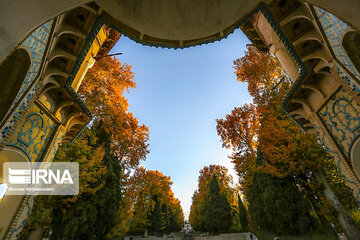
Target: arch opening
pixel 13 72
pixel 355 156
pixel 351 44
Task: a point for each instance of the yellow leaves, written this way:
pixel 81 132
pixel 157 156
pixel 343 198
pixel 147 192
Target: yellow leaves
pixel 143 186
pixel 102 90
pixel 90 160
pixel 259 70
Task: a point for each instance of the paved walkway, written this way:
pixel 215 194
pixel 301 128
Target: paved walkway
pixel 226 236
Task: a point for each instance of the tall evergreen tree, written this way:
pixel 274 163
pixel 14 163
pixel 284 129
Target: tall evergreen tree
pixel 157 223
pixel 276 205
pixel 217 210
pixel 94 214
pixel 242 214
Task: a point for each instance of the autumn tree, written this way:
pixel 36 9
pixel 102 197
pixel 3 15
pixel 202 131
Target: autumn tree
pixel 260 71
pixel 91 213
pixel 103 92
pixel 286 152
pixel 106 153
pixel 200 200
pixel 239 131
pixel 155 208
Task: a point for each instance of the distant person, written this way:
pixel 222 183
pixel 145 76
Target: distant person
pixel 172 235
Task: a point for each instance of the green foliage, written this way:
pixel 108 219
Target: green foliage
pixel 92 213
pixel 155 208
pixel 242 214
pixel 290 156
pixel 200 199
pixel 92 216
pixel 157 218
pixel 355 215
pixel 276 205
pixel 338 185
pixel 217 210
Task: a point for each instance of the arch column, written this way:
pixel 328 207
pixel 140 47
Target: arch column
pixel 278 50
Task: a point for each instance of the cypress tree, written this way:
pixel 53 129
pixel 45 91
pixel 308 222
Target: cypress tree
pixel 242 214
pixel 93 215
pixel 166 217
pixel 156 218
pixel 276 205
pixel 217 209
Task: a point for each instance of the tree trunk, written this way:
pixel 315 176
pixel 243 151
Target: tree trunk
pixel 343 218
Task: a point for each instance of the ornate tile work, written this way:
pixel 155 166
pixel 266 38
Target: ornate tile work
pixel 352 84
pixel 55 145
pixel 337 159
pixel 34 134
pixel 342 117
pixel 9 124
pixel 333 28
pixel 36 42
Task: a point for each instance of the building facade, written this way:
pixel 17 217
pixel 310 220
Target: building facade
pixel 319 53
pixel 48 46
pixel 40 105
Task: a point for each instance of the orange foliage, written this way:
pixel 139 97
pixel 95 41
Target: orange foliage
pixel 259 70
pixel 103 90
pixel 239 130
pixel 201 194
pixel 286 149
pixel 142 186
pixel 264 125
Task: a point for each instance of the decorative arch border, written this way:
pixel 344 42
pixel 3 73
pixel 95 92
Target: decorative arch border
pixel 347 30
pixel 14 149
pixel 352 148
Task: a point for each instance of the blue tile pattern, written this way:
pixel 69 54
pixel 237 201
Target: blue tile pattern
pixel 337 159
pixel 36 42
pixel 333 28
pixel 34 134
pixel 342 117
pixel 352 84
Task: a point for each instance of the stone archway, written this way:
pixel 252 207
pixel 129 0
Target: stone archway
pixel 355 156
pixel 351 44
pixel 12 75
pixel 32 13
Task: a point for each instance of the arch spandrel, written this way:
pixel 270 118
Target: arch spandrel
pixel 177 23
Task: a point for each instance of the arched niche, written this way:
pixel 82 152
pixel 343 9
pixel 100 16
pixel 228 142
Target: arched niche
pixel 9 154
pixel 12 75
pixel 351 44
pixel 355 156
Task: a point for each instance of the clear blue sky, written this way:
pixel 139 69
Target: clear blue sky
pixel 179 95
